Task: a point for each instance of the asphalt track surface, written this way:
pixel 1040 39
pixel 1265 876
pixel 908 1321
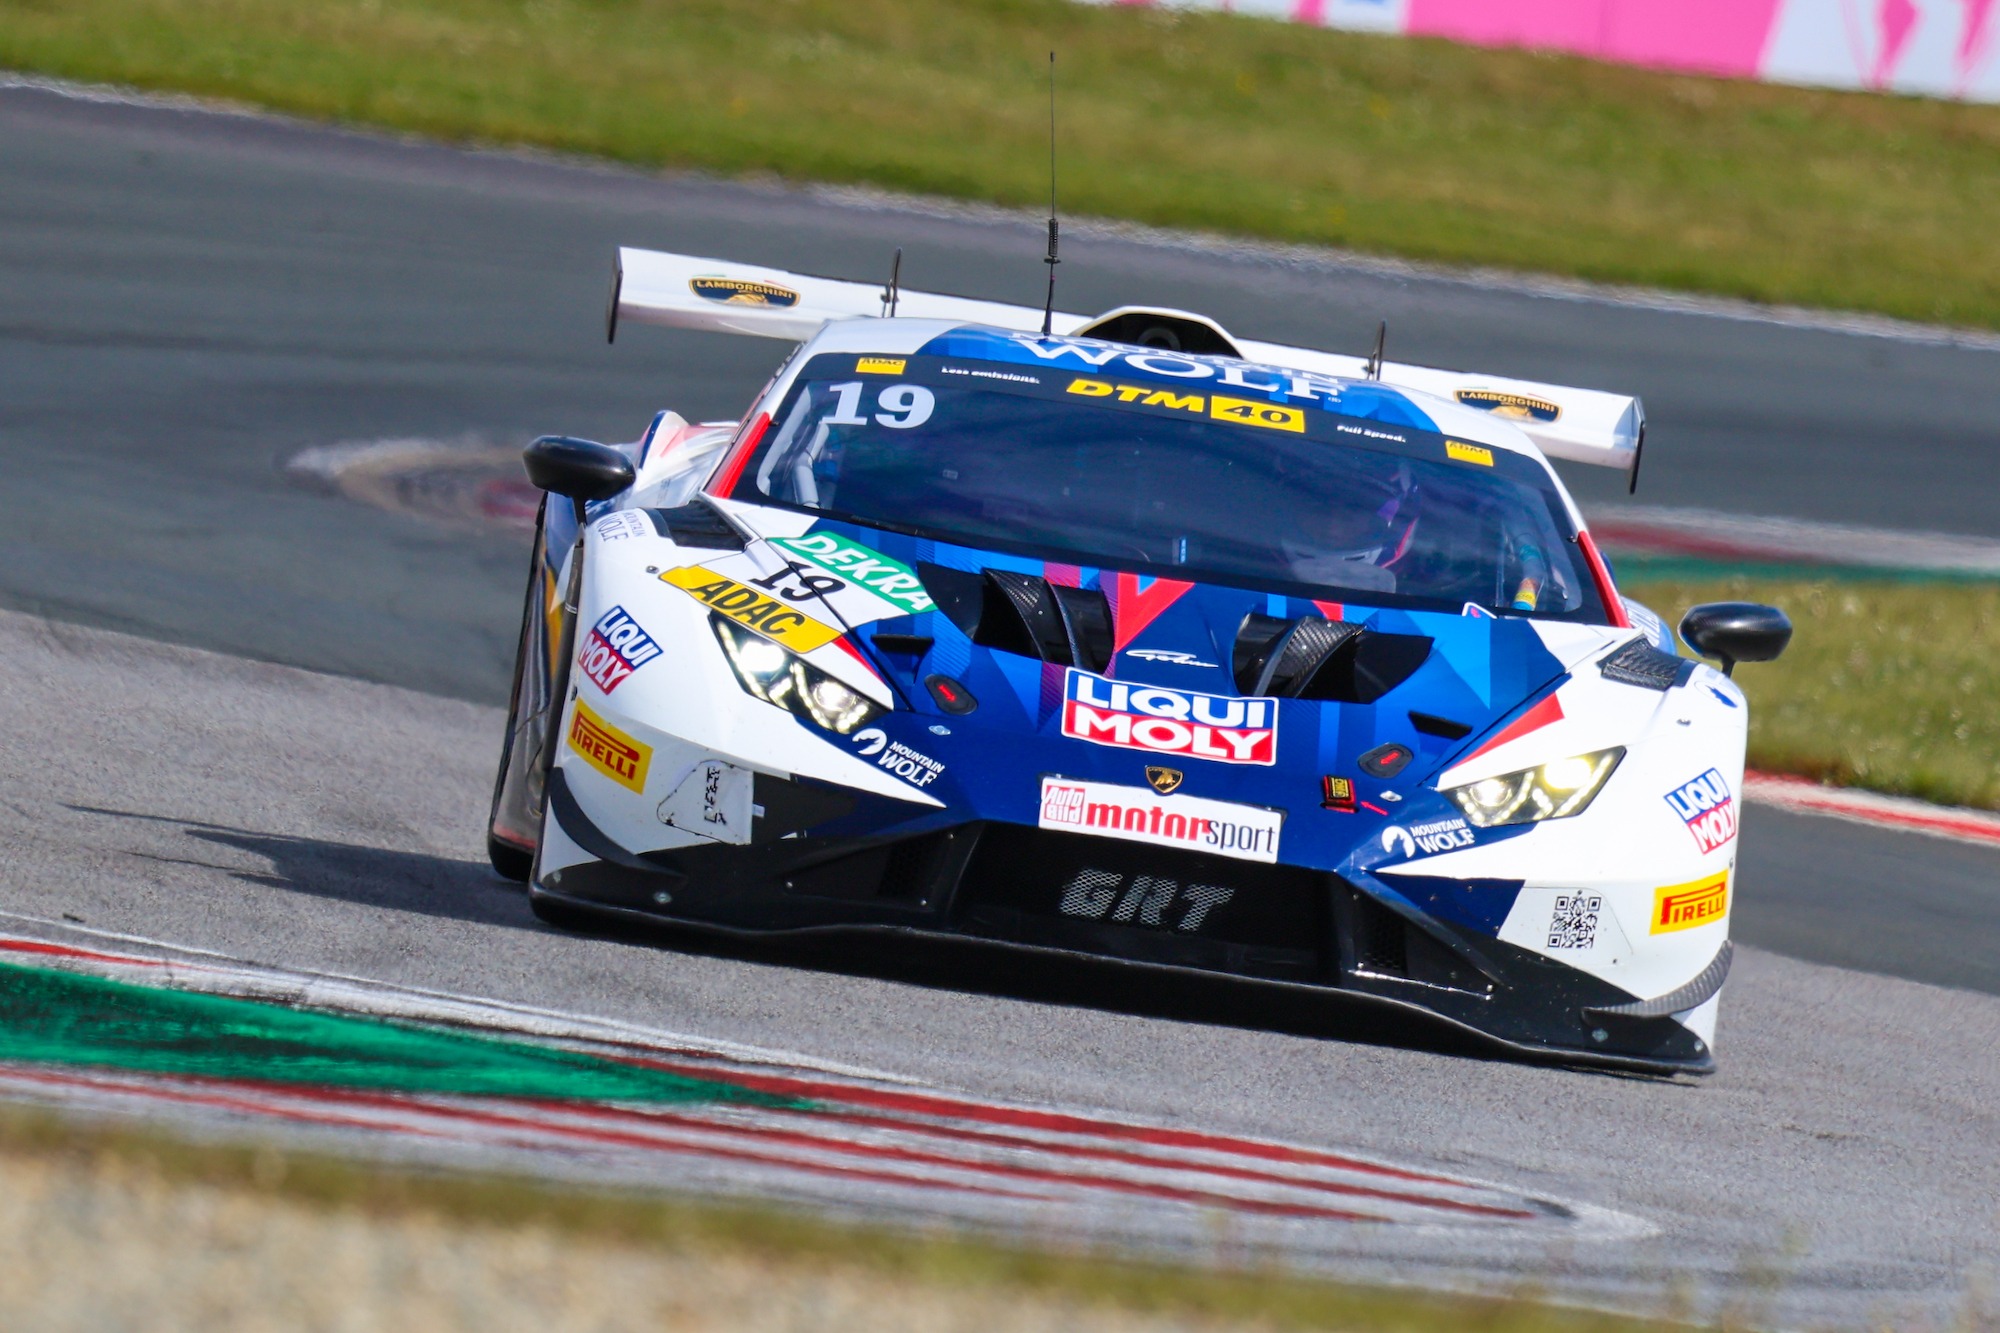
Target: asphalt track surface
pixel 188 299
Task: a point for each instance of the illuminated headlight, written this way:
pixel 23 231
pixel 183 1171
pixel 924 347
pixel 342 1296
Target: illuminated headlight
pixel 1555 790
pixel 792 683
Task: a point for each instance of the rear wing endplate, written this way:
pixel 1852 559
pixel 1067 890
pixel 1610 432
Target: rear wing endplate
pixel 722 296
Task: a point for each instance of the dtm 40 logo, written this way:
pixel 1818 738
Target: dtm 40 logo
pixel 1162 721
pixel 1707 808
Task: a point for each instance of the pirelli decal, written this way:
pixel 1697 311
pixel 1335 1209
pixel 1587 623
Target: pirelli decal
pixel 1698 902
pixel 609 750
pixel 752 609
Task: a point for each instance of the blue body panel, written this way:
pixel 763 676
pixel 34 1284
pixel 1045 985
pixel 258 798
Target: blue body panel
pixel 1480 670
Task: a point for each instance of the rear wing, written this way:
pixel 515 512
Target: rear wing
pixel 721 296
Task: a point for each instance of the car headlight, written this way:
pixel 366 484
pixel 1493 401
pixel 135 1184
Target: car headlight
pixel 1555 790
pixel 784 678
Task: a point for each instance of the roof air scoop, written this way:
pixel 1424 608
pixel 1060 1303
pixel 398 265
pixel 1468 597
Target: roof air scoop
pixel 1315 658
pixel 1166 330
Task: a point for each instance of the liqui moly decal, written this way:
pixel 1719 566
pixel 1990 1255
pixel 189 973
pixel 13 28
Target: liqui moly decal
pixel 1707 808
pixel 1162 721
pixel 614 649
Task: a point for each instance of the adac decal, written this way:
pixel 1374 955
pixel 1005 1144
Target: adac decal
pixel 1698 902
pixel 1226 729
pixel 880 365
pixel 614 649
pixel 1245 832
pixel 1707 808
pixel 742 291
pixel 609 750
pixel 1518 406
pixel 752 609
pixel 919 770
pixel 889 579
pixel 1461 452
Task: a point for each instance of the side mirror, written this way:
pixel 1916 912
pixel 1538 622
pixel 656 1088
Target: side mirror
pixel 580 469
pixel 1736 632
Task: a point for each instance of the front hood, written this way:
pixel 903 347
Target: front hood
pixel 1103 676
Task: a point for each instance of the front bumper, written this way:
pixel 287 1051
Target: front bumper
pixel 1135 904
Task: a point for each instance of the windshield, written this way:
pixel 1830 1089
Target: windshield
pixel 1161 480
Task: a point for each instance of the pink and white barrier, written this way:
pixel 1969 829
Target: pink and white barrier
pixel 1936 48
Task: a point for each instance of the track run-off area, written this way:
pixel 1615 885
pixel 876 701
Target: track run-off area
pixel 249 735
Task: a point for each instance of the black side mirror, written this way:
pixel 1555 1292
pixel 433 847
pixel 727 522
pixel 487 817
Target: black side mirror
pixel 580 469
pixel 1736 632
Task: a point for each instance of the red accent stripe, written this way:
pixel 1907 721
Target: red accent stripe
pixel 855 653
pixel 541 1129
pixel 1133 610
pixel 1541 715
pixel 1040 1175
pixel 1050 1121
pixel 1059 1149
pixel 724 481
pixel 64 951
pixel 1803 794
pixel 1614 605
pixel 1331 610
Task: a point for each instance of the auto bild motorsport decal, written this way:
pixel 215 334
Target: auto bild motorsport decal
pixel 609 750
pixel 1157 720
pixel 1135 814
pixel 614 649
pixel 1707 808
pixel 1698 902
pixel 891 580
pixel 754 610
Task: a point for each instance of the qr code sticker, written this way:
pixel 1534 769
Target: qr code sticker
pixel 1574 924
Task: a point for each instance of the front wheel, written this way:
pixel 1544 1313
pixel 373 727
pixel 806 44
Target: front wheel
pixel 513 824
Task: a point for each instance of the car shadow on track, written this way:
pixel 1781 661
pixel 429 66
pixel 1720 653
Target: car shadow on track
pixel 469 891
pixel 349 872
pixel 977 968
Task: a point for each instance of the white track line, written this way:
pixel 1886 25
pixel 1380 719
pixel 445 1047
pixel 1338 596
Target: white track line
pixel 1806 797
pixel 1308 258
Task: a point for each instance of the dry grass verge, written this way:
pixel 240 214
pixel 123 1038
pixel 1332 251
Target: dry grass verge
pixel 1893 686
pixel 1246 126
pixel 108 1229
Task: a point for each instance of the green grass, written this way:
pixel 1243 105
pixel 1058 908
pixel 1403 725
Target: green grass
pixel 965 1273
pixel 1245 126
pixel 1890 685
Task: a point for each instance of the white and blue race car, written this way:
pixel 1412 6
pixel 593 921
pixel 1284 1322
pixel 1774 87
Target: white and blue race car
pixel 1131 640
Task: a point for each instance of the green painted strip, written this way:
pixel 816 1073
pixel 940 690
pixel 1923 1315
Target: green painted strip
pixel 886 577
pixel 52 1017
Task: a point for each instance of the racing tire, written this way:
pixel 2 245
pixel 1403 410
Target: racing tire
pixel 509 860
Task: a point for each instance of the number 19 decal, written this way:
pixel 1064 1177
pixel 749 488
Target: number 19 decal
pixel 1246 412
pixel 903 406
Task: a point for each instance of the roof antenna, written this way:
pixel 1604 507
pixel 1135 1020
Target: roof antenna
pixel 1049 309
pixel 1375 357
pixel 894 291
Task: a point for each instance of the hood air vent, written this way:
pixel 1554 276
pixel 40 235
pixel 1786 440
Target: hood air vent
pixel 1020 613
pixel 1316 658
